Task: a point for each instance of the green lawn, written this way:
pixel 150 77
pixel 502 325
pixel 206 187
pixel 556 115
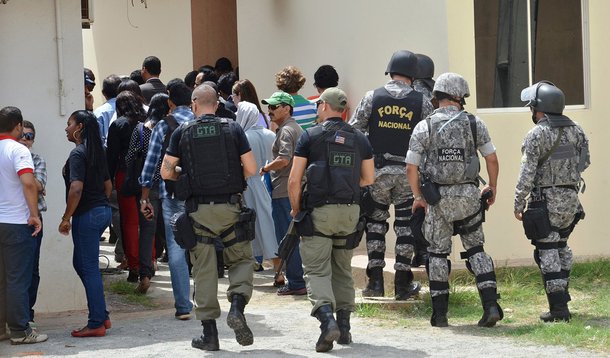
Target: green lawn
pixel 523 300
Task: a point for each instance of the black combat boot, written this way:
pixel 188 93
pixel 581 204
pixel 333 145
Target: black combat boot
pixel 209 339
pixel 344 327
pixel 237 321
pixel 492 312
pixel 440 305
pixel 558 304
pixel 404 286
pixel 329 329
pixel 375 286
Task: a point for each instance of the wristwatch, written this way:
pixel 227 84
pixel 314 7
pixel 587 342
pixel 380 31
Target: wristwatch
pixel 417 198
pixel 144 201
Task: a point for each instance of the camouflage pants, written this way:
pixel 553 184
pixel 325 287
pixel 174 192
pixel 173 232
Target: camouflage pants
pixel 390 189
pixel 553 255
pixel 457 203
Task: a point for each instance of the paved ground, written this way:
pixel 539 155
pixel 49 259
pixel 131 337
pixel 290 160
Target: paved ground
pixel 281 325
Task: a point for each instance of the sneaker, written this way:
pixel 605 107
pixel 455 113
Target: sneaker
pixel 31 338
pixel 183 316
pixel 287 291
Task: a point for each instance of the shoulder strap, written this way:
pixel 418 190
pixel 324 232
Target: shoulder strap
pixel 553 148
pixel 473 129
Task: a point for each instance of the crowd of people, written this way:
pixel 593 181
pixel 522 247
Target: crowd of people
pixel 196 171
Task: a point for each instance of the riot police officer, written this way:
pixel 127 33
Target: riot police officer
pixel 389 114
pixel 215 159
pixel 444 150
pixel 338 160
pixel 423 80
pixel 555 153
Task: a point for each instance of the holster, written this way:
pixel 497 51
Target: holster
pixel 182 188
pixel 430 191
pixel 353 241
pixel 184 234
pixel 367 204
pixel 379 161
pixel 536 221
pixel 303 223
pixel 245 226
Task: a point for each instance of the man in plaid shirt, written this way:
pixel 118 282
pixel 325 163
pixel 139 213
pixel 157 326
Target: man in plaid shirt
pixel 179 101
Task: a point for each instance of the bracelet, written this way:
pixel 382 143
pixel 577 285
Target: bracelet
pixel 63 218
pixel 263 170
pixel 417 198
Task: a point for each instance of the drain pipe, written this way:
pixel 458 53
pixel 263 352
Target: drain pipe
pixel 59 40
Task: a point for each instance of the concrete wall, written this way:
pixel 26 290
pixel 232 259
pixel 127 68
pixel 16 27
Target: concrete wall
pixel 29 72
pixel 352 35
pixel 122 35
pixel 358 39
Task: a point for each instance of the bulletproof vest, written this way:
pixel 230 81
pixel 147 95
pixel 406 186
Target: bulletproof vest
pixel 451 157
pixel 210 157
pixel 392 121
pixel 333 171
pixel 563 156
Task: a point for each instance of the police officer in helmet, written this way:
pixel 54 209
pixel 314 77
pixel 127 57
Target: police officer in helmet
pixel 443 149
pixel 424 82
pixel 215 158
pixel 389 114
pixel 338 160
pixel 555 153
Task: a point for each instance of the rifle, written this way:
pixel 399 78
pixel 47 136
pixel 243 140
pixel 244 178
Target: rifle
pixel 289 242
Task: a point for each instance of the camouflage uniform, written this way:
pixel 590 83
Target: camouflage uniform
pixel 459 195
pixel 557 179
pixel 422 87
pixel 390 187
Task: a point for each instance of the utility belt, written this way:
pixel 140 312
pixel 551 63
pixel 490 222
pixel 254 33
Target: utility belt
pixel 193 202
pixel 431 190
pixel 304 227
pixel 184 226
pixel 536 222
pixel 352 240
pixel 381 161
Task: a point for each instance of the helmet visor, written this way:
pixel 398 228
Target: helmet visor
pixel 529 94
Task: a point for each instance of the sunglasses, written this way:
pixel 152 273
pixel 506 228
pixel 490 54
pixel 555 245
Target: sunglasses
pixel 319 103
pixel 273 107
pixel 28 136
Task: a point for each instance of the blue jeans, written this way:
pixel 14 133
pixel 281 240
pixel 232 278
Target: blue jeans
pixel 16 261
pixel 281 221
pixel 86 231
pixel 178 269
pixel 33 291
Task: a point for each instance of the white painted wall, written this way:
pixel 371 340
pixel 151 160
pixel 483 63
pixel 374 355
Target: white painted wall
pixel 29 73
pixel 122 35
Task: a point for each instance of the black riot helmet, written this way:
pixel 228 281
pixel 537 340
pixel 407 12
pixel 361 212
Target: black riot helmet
pixel 403 63
pixel 425 66
pixel 544 97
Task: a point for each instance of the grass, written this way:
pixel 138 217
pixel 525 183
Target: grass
pixel 127 291
pixel 523 300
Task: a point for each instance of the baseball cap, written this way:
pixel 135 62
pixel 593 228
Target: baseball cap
pixel 279 97
pixel 333 96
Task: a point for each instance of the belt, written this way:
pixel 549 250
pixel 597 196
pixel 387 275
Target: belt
pixel 218 199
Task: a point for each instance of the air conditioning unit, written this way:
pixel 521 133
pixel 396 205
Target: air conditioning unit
pixel 86 13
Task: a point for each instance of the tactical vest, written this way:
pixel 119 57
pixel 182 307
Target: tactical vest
pixel 451 150
pixel 210 158
pixel 562 159
pixel 392 121
pixel 333 171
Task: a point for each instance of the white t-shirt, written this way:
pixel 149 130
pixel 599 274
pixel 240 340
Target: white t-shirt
pixel 15 160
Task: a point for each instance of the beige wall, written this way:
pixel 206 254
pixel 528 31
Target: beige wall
pixel 122 35
pixel 505 238
pixel 29 73
pixel 358 40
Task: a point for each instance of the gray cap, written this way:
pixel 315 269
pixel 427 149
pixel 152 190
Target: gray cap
pixel 452 84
